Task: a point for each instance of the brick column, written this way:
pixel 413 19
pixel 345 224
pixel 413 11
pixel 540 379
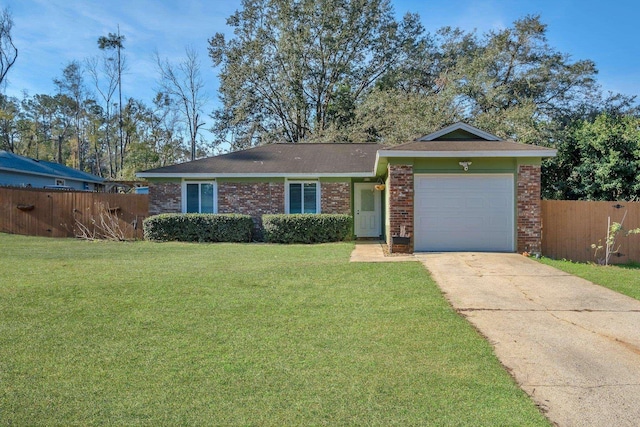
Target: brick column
pixel 529 209
pixel 165 197
pixel 400 206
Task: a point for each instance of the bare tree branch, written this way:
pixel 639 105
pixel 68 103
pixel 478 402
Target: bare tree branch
pixel 183 83
pixel 8 50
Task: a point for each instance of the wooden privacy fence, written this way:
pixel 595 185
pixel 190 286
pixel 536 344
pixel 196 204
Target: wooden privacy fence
pixel 41 212
pixel 569 228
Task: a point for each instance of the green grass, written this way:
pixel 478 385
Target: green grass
pixel 95 333
pixel 620 278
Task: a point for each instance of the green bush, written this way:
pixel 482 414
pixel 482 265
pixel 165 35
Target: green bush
pixel 306 228
pixel 198 228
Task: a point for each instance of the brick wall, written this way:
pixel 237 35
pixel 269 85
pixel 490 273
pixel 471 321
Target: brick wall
pixel 529 210
pixel 165 197
pixel 335 198
pixel 400 205
pixel 251 198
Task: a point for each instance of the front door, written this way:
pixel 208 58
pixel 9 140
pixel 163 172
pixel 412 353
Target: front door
pixel 367 210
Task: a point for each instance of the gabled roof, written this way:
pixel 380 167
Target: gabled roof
pixel 346 160
pixel 460 131
pixel 461 139
pixel 20 164
pixel 271 160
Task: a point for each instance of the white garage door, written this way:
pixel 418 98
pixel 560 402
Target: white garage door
pixel 464 212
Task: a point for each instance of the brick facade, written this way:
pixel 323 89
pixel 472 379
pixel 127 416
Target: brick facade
pixel 165 197
pixel 251 198
pixel 529 209
pixel 258 198
pixel 335 197
pixel 400 207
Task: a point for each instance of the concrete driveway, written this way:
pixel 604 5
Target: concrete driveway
pixel 573 346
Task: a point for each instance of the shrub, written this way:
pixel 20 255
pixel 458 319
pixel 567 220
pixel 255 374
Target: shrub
pixel 198 228
pixel 306 228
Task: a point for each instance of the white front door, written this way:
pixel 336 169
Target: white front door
pixel 367 210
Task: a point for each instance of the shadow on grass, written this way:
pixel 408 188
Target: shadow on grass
pixel 630 265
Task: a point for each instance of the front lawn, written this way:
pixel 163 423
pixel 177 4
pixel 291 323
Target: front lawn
pixel 236 334
pixel 624 278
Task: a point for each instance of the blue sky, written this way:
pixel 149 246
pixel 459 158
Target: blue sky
pixel 51 33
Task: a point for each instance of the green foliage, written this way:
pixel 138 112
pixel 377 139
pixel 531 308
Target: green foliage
pixel 294 69
pixel 616 230
pixel 598 159
pixel 395 117
pixel 306 228
pixel 508 82
pixel 198 228
pixel 516 65
pixel 9 111
pixel 319 70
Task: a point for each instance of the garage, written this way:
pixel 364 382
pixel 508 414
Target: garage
pixel 464 212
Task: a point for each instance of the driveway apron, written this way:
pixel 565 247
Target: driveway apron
pixel 573 346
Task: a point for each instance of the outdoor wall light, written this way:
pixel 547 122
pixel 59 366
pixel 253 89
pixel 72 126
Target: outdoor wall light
pixel 465 165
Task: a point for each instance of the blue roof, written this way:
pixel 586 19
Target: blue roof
pixel 13 162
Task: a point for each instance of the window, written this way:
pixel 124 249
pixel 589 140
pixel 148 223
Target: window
pixel 199 197
pixel 303 197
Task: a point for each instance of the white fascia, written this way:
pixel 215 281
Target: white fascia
pixel 455 154
pixel 256 175
pixel 50 175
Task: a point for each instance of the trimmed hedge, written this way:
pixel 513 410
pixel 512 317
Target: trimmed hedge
pixel 198 228
pixel 306 228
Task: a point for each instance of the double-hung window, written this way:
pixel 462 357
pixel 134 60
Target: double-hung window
pixel 199 197
pixel 303 197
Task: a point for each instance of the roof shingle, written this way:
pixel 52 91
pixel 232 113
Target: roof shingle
pixel 282 158
pixel 15 162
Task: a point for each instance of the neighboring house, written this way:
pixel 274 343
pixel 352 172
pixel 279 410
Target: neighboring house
pixel 20 171
pixel 458 189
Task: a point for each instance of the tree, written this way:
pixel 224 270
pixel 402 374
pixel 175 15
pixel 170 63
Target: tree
pixel 104 72
pixel 8 50
pixel 598 159
pixel 515 67
pixel 40 111
pixel 289 62
pixel 394 116
pixel 509 82
pixel 183 84
pixel 9 111
pixel 116 42
pixel 62 125
pixel 95 136
pixel 72 85
pixel 154 138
